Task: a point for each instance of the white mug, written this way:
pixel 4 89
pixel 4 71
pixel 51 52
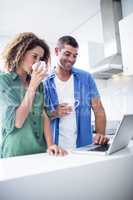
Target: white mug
pixel 74 104
pixel 39 65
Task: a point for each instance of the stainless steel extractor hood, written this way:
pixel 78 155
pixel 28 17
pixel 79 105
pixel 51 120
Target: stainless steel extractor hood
pixel 108 67
pixel 111 13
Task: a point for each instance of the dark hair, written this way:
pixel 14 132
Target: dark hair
pixel 67 39
pixel 17 48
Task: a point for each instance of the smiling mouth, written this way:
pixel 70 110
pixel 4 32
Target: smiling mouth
pixel 68 63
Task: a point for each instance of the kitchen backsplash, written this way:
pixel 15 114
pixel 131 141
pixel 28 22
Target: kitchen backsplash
pixel 117 96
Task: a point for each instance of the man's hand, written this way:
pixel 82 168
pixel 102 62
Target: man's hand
pixel 55 150
pixel 100 139
pixel 63 110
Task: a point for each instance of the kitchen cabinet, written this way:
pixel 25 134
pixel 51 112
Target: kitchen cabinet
pixel 126 37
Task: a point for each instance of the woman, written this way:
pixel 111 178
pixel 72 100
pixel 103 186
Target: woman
pixel 23 129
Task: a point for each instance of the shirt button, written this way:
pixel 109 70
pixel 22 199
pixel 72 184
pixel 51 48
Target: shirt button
pixel 34 123
pixel 3 91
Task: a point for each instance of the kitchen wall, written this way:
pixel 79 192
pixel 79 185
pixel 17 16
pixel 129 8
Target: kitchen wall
pixel 117 96
pixel 4 39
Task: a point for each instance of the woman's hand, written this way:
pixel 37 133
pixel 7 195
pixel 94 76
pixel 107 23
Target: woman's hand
pixel 55 150
pixel 37 76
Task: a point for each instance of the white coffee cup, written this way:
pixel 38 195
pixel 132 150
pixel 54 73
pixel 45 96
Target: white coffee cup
pixel 40 65
pixel 74 104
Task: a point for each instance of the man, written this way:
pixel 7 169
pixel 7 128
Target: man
pixel 71 94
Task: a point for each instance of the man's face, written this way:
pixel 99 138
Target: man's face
pixel 66 56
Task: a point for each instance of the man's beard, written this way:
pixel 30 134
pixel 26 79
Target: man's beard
pixel 64 67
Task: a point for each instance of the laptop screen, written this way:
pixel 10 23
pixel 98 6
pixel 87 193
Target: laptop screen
pixel 123 134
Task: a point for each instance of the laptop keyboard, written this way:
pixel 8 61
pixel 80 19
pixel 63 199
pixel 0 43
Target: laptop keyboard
pixel 101 148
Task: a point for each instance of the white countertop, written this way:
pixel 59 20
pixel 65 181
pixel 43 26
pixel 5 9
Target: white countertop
pixel 16 167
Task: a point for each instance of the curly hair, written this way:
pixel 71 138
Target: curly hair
pixel 15 51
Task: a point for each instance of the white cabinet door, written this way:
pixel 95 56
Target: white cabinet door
pixel 126 37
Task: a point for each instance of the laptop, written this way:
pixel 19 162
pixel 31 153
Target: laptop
pixel 120 140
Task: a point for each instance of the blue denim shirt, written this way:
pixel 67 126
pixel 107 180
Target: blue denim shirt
pixel 84 90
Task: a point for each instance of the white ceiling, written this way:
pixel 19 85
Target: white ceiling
pixel 52 18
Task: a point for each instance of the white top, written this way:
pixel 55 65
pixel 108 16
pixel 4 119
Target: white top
pixel 67 125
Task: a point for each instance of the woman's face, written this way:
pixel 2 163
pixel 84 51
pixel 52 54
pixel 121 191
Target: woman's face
pixel 32 56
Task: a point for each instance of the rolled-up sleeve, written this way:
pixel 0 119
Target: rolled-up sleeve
pixel 50 99
pixel 8 105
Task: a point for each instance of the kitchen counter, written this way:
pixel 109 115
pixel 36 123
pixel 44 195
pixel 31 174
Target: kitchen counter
pixel 74 176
